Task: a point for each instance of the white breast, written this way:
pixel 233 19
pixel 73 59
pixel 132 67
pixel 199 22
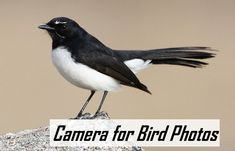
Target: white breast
pixel 80 74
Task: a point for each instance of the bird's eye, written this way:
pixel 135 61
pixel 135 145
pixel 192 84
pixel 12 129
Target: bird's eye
pixel 63 27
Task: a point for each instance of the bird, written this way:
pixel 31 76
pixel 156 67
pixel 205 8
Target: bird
pixel 87 63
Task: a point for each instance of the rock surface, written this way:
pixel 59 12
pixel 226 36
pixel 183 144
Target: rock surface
pixel 38 140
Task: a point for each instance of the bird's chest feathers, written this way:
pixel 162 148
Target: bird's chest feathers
pixel 63 61
pixel 80 74
pixel 65 64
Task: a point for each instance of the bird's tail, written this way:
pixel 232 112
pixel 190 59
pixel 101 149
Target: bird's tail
pixel 184 56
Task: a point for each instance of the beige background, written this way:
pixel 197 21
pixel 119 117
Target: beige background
pixel 32 92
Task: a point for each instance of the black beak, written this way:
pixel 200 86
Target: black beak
pixel 46 27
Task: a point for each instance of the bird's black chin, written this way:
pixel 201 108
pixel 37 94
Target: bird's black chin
pixel 46 27
pixel 59 35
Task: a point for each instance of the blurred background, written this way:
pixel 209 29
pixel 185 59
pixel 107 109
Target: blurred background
pixel 32 91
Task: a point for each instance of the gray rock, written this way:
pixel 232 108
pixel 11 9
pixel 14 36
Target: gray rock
pixel 38 140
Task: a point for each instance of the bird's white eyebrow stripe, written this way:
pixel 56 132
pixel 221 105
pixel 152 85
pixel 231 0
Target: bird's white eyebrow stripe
pixel 59 22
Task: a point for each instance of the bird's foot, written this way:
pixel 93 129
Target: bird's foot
pixel 101 115
pixel 83 116
pixel 79 115
pixel 97 115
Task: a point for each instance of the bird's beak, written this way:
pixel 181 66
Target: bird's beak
pixel 46 27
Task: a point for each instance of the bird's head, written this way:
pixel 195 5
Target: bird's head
pixel 61 28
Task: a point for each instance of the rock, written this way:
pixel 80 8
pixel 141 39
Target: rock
pixel 38 140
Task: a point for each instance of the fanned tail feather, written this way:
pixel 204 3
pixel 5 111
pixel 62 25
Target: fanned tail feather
pixel 184 56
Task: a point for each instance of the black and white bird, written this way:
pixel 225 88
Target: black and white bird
pixel 87 63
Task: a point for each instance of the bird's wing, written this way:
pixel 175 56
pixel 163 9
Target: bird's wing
pixel 111 66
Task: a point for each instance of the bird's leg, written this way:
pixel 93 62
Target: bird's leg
pixel 102 101
pixel 87 101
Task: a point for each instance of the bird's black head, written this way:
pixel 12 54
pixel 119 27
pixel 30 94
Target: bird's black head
pixel 61 29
